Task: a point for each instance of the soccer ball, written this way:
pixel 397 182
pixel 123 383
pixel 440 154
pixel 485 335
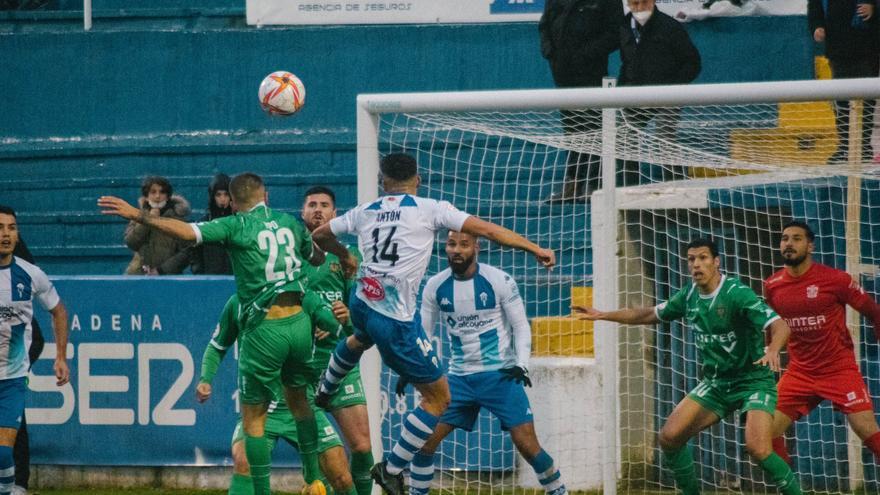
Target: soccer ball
pixel 282 93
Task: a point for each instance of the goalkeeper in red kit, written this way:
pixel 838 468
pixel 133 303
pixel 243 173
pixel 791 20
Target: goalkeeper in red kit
pixel 812 299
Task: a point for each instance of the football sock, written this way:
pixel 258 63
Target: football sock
pixel 782 474
pixel 421 473
pixel 681 462
pixel 341 362
pixel 259 456
pixel 781 450
pixel 548 475
pixel 241 485
pixel 873 443
pixel 417 427
pixel 307 435
pixel 7 470
pixel 361 462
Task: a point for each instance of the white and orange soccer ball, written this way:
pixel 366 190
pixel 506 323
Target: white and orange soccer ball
pixel 282 93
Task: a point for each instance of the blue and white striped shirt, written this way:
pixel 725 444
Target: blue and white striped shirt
pixel 484 317
pixel 20 284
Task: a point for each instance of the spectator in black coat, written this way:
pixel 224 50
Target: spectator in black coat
pixel 654 50
pixel 576 38
pixel 850 31
pixel 210 258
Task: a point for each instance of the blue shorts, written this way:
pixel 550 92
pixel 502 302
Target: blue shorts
pixel 12 401
pixel 403 344
pixel 505 399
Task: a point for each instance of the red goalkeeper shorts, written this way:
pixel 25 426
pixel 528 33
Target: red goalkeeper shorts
pixel 799 392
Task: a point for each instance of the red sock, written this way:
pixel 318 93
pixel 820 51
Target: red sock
pixel 873 443
pixel 781 450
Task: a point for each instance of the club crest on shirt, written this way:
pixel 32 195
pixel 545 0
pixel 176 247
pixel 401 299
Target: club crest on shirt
pixel 812 291
pixel 720 311
pixel 335 267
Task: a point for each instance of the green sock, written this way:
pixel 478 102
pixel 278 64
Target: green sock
pixel 361 462
pixel 241 485
pixel 307 434
pixel 782 474
pixel 681 463
pixel 259 456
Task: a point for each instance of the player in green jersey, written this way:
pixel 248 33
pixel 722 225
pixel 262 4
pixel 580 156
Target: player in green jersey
pixel 267 250
pixel 349 406
pixel 279 421
pixel 728 321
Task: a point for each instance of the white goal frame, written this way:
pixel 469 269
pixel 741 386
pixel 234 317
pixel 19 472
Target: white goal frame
pixel 607 202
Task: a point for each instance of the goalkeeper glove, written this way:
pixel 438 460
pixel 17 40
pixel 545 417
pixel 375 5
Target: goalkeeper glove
pixel 518 374
pixel 400 389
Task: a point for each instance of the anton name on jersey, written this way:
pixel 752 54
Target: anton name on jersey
pixel 806 323
pixel 388 216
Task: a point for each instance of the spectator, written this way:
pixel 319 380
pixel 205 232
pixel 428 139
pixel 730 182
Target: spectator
pixel 576 38
pixel 21 451
pixel 155 251
pixel 209 258
pixel 849 29
pixel 654 50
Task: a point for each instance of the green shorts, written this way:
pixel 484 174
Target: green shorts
pixel 275 349
pixel 280 424
pixel 350 392
pixel 724 397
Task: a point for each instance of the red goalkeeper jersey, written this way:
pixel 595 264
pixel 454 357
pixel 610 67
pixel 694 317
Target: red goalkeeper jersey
pixel 814 306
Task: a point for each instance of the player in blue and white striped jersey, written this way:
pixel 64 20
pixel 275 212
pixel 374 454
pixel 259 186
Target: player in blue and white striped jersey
pixel 20 284
pixel 486 321
pixel 395 235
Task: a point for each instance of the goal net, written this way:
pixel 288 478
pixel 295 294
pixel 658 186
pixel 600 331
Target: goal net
pixel 617 182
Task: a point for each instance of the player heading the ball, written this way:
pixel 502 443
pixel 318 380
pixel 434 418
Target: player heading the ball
pixel 396 237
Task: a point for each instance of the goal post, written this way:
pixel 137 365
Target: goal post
pixel 730 161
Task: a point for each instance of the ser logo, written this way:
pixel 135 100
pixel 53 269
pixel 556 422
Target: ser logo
pixel 516 7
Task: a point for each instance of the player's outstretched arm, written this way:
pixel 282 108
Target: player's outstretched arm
pixel 779 333
pixel 478 227
pixel 324 237
pixel 865 305
pixel 111 205
pixel 629 316
pixel 59 326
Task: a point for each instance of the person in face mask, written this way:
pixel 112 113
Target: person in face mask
pixel 654 50
pixel 155 252
pixel 211 259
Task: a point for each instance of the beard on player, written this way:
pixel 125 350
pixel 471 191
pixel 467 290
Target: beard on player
pixel 791 257
pixel 459 263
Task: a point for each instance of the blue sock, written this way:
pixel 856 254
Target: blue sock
pixel 7 470
pixel 421 473
pixel 417 427
pixel 341 362
pixel 548 475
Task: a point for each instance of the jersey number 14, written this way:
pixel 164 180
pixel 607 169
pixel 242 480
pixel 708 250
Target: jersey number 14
pixel 389 247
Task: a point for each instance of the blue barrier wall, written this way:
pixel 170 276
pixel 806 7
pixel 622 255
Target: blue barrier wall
pixel 174 92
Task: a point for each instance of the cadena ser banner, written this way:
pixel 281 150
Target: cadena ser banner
pixel 135 352
pixel 262 12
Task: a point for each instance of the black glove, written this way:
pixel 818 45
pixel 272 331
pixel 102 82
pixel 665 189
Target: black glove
pixel 517 374
pixel 400 388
